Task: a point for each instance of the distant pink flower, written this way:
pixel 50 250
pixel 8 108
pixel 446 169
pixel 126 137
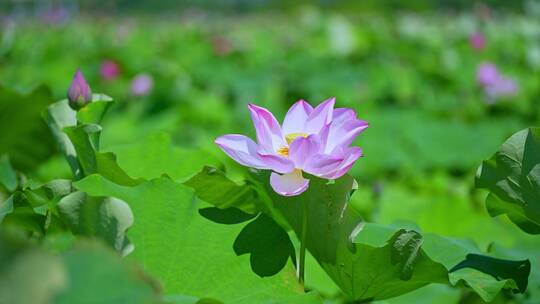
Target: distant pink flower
pixel 312 140
pixel 495 84
pixel 477 41
pixel 504 87
pixel 79 93
pixel 109 69
pixel 142 84
pixel 487 74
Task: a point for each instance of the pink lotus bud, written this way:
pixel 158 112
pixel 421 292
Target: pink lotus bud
pixel 142 84
pixel 79 93
pixel 477 41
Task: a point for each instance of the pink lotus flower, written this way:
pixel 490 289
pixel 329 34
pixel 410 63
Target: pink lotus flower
pixel 503 87
pixel 316 141
pixel 109 69
pixel 487 74
pixel 494 83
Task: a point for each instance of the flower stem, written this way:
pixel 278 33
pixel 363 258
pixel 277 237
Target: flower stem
pixel 302 254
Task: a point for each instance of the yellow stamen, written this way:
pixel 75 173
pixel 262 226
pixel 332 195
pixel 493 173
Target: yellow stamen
pixel 283 151
pixel 293 136
pixel 297 173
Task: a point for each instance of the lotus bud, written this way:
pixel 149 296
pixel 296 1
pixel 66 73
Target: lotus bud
pixel 477 41
pixel 142 84
pixel 109 70
pixel 79 94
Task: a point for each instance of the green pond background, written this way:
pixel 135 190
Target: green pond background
pixel 410 70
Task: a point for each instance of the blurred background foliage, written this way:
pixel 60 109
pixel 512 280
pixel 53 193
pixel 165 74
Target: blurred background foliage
pixel 442 84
